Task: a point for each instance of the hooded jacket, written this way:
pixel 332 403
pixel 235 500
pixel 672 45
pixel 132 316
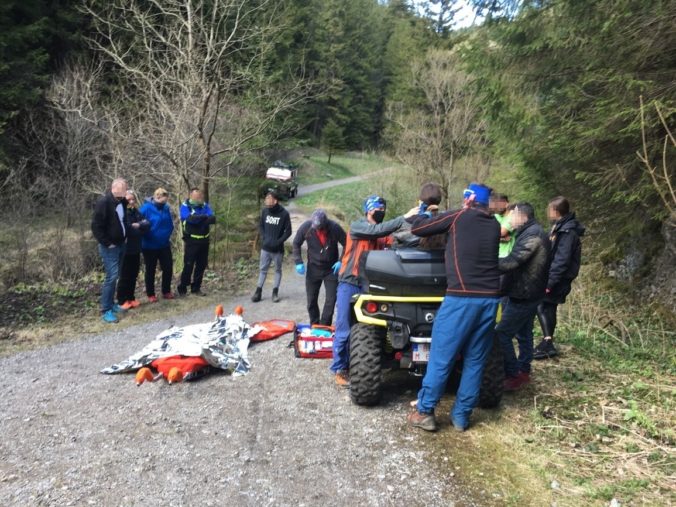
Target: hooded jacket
pixel 320 257
pixel 161 225
pixel 106 226
pixel 527 264
pixel 471 258
pixel 566 257
pixel 275 228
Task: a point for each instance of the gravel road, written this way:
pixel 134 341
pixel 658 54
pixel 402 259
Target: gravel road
pixel 282 435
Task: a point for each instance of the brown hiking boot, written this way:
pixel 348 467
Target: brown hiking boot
pixel 423 421
pixel 342 379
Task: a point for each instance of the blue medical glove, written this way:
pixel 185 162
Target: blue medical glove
pixel 336 267
pixel 300 268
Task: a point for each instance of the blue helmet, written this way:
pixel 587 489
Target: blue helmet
pixel 373 202
pixel 480 193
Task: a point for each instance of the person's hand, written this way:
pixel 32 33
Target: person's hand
pixel 548 290
pixel 300 268
pixel 135 225
pixel 336 267
pixel 412 212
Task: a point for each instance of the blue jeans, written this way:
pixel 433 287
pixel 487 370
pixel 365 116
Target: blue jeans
pixel 344 321
pixel 517 320
pixel 462 326
pixel 112 260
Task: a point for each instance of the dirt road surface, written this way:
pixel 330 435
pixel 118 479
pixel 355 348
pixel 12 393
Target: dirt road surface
pixel 282 435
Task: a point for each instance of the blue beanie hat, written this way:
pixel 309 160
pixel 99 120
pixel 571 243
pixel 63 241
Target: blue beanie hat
pixel 373 202
pixel 480 192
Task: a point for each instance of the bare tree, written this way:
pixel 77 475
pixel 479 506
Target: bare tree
pixel 191 88
pixel 446 129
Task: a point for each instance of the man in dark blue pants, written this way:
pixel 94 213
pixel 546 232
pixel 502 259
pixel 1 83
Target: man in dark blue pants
pixel 526 266
pixel 465 321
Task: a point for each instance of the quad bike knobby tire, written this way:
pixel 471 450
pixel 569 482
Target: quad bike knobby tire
pixel 366 378
pixel 493 377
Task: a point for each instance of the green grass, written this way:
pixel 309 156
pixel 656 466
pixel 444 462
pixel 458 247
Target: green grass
pixel 316 169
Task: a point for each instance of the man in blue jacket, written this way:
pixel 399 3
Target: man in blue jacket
pixel 275 229
pixel 196 217
pixel 156 243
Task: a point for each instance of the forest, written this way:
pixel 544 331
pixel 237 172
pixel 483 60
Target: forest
pixel 535 98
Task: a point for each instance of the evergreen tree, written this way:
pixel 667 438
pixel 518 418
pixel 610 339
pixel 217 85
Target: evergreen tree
pixel 332 138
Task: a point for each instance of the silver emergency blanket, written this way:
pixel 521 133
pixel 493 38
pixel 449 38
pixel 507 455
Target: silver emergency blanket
pixel 222 343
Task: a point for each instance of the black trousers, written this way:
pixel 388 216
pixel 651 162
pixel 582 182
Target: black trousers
pixel 313 283
pixel 126 284
pixel 151 257
pixel 547 317
pixel 195 261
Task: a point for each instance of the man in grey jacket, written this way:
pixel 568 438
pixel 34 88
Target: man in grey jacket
pixel 526 267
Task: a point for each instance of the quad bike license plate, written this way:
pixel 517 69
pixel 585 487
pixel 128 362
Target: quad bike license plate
pixel 421 352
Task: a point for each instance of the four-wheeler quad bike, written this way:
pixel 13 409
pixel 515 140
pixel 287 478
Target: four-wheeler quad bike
pixel 282 178
pixel 394 324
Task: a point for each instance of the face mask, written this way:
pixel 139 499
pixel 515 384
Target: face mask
pixel 379 216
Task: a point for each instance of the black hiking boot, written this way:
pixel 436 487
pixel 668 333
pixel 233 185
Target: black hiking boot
pixel 545 350
pixel 275 296
pixel 257 295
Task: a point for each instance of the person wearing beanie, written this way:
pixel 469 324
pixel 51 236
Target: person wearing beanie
pixel 367 233
pixel 156 243
pixel 323 237
pixel 465 320
pixel 275 229
pixel 196 219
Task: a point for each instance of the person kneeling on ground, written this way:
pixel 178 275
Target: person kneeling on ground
pixel 323 237
pixel 275 229
pixel 367 233
pixel 196 217
pixel 465 321
pixel 526 267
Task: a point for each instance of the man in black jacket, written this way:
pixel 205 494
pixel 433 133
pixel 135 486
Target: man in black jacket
pixel 566 259
pixel 323 237
pixel 526 267
pixel 275 229
pixel 109 229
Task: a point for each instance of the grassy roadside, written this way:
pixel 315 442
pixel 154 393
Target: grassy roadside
pixel 314 167
pixel 597 424
pixel 38 323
